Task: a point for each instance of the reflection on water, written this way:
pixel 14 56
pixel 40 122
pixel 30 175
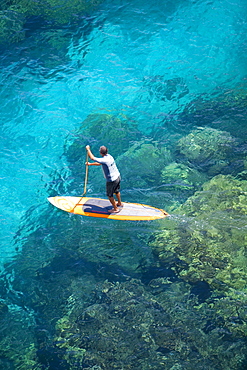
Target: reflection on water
pixel 164 87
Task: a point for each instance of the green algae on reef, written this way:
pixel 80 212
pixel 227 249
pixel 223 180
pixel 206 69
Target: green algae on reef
pixel 209 241
pixel 116 132
pixel 11 26
pixel 208 149
pixel 143 163
pixel 15 13
pixel 18 342
pixel 163 89
pixel 183 177
pixel 131 326
pixel 59 12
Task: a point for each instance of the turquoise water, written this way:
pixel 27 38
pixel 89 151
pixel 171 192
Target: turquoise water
pixel 151 65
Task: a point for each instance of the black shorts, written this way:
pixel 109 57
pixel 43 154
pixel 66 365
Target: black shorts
pixel 113 187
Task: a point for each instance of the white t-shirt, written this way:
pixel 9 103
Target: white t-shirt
pixel 109 167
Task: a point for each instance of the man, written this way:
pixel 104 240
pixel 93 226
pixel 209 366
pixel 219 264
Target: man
pixel 111 174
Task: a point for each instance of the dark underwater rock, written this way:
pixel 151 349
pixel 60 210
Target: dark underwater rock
pixel 85 321
pixel 102 129
pixel 163 89
pixel 3 309
pixel 16 13
pixel 136 330
pixel 226 111
pixel 11 26
pixel 17 339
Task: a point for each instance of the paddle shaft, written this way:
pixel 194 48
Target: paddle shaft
pixel 86 176
pixel 85 182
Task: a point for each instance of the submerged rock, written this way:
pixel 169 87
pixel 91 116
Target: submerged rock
pixel 133 328
pixel 11 26
pixel 163 89
pixel 86 321
pixel 208 241
pixel 3 308
pixel 208 149
pixel 226 111
pixel 15 14
pixel 50 50
pixel 182 176
pixel 18 343
pixel 99 129
pixel 102 129
pixel 55 11
pixel 143 163
pixel 62 13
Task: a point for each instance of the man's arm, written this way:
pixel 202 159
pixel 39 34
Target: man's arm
pixel 93 164
pixel 90 154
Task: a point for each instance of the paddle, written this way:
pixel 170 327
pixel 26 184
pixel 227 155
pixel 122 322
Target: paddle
pixel 86 176
pixel 85 182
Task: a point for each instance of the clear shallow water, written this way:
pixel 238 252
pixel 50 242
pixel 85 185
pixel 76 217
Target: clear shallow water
pixel 146 62
pixel 121 60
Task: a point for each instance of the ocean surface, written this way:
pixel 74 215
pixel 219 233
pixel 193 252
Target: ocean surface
pixel 165 68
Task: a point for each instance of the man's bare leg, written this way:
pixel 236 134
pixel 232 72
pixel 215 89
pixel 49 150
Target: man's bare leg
pixel 115 209
pixel 119 203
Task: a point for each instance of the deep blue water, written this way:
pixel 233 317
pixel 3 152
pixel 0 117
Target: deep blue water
pixel 147 61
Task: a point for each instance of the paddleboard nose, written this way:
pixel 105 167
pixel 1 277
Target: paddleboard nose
pixel 64 203
pixel 52 201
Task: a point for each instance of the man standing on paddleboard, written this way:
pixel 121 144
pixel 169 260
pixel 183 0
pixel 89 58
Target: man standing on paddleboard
pixel 111 175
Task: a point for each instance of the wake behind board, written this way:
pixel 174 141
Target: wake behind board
pixel 96 207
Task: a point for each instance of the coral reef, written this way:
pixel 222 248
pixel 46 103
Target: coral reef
pixel 15 13
pixel 69 341
pixel 143 163
pixel 207 242
pixel 11 26
pixel 225 111
pixel 61 12
pixel 98 129
pixel 208 149
pixel 18 344
pixel 54 11
pixel 51 49
pixel 182 176
pixel 131 326
pixel 102 129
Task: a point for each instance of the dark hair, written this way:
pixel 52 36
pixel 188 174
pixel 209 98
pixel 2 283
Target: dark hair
pixel 103 150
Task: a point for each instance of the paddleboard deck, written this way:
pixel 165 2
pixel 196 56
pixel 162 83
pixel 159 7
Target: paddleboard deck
pixel 96 207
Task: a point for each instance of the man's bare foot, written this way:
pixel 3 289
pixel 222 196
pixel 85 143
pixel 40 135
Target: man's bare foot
pixel 119 205
pixel 114 210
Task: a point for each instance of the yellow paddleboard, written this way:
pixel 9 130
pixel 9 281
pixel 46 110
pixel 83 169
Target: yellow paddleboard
pixel 96 207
